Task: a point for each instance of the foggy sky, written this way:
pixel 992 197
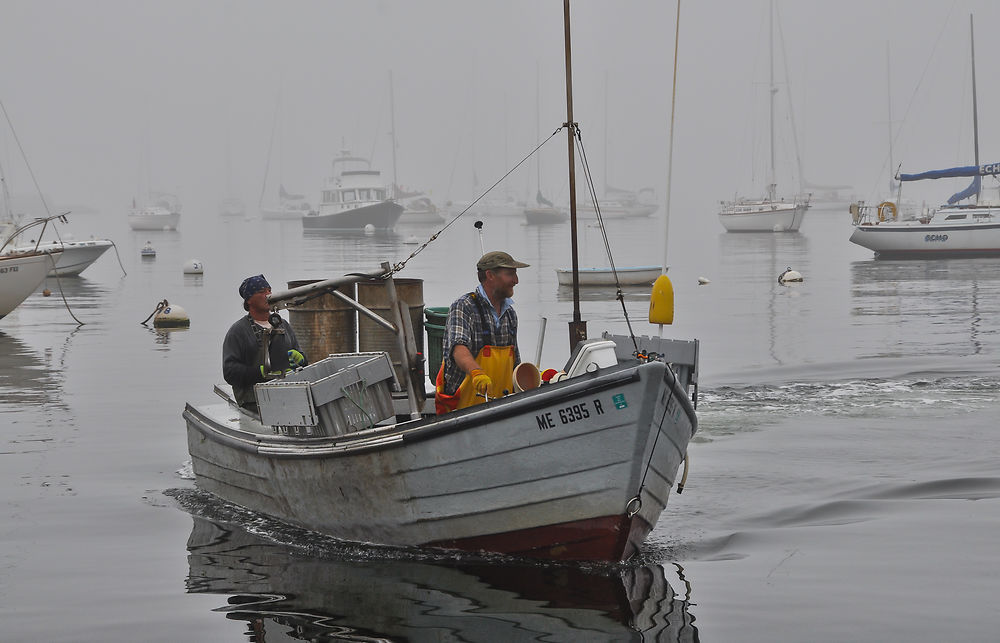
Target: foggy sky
pixel 95 88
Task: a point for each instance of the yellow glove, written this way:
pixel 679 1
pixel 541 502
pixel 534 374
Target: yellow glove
pixel 480 381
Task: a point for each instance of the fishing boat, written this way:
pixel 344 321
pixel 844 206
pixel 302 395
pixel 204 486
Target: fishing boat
pixel 769 213
pixel 353 198
pixel 147 251
pixel 22 272
pixel 952 230
pixel 163 212
pixel 577 469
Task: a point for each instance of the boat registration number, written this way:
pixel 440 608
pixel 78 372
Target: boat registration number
pixel 569 414
pixel 5 270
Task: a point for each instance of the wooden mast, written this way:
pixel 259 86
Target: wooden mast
pixel 577 327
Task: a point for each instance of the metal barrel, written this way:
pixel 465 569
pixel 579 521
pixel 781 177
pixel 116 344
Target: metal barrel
pixel 372 337
pixel 324 325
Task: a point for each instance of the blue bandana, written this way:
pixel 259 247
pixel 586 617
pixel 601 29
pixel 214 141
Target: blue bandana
pixel 252 286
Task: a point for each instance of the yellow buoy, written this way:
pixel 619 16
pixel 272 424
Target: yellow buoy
pixel 661 301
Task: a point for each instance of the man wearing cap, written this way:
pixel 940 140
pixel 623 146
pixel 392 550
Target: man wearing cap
pixel 480 340
pixel 244 359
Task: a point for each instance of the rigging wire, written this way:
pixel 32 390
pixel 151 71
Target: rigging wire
pixel 25 157
pixel 399 266
pixel 619 295
pixel 913 96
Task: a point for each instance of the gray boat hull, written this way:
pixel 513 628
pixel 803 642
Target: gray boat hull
pixel 549 473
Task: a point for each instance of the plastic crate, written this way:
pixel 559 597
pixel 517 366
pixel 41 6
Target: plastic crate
pixel 341 393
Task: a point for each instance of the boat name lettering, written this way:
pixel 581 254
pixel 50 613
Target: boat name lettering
pixel 568 415
pixel 935 237
pixel 11 269
pixel 993 168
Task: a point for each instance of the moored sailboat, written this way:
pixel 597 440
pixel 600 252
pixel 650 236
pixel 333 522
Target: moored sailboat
pixel 954 229
pixel 770 213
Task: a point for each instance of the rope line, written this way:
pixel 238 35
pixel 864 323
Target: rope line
pixel 400 265
pixel 61 293
pixel 619 295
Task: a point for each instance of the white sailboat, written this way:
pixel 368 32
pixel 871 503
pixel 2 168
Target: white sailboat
pixel 161 212
pixel 955 229
pixel 769 213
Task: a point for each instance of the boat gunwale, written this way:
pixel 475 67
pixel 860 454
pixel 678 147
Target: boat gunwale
pixel 402 434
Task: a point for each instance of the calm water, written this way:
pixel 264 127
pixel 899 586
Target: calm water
pixel 844 481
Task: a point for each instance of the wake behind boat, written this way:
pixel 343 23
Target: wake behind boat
pixel 353 198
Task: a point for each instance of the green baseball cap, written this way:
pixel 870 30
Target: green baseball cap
pixel 497 259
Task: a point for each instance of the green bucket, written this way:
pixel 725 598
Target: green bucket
pixel 435 338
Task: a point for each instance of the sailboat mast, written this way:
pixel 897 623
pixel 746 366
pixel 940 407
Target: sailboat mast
pixel 670 148
pixel 975 112
pixel 577 327
pixel 771 92
pixel 392 136
pixel 888 95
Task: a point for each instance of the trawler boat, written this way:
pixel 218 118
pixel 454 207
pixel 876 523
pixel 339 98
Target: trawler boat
pixel 353 198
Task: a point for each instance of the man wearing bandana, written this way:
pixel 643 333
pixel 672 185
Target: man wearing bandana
pixel 244 362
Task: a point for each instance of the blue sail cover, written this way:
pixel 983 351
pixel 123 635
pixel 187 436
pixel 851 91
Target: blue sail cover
pixel 972 190
pixel 977 171
pixel 967 170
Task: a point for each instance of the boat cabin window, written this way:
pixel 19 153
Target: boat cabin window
pixel 364 195
pixel 954 217
pixel 349 195
pixel 380 195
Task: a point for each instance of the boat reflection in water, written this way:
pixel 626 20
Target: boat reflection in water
pixel 29 383
pixel 284 592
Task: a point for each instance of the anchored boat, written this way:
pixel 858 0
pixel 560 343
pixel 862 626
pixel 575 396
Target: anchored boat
pixel 353 198
pixel 952 230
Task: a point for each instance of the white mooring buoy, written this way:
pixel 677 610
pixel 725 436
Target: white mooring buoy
pixel 790 276
pixel 171 316
pixel 193 267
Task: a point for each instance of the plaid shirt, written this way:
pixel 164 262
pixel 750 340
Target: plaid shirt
pixel 465 326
